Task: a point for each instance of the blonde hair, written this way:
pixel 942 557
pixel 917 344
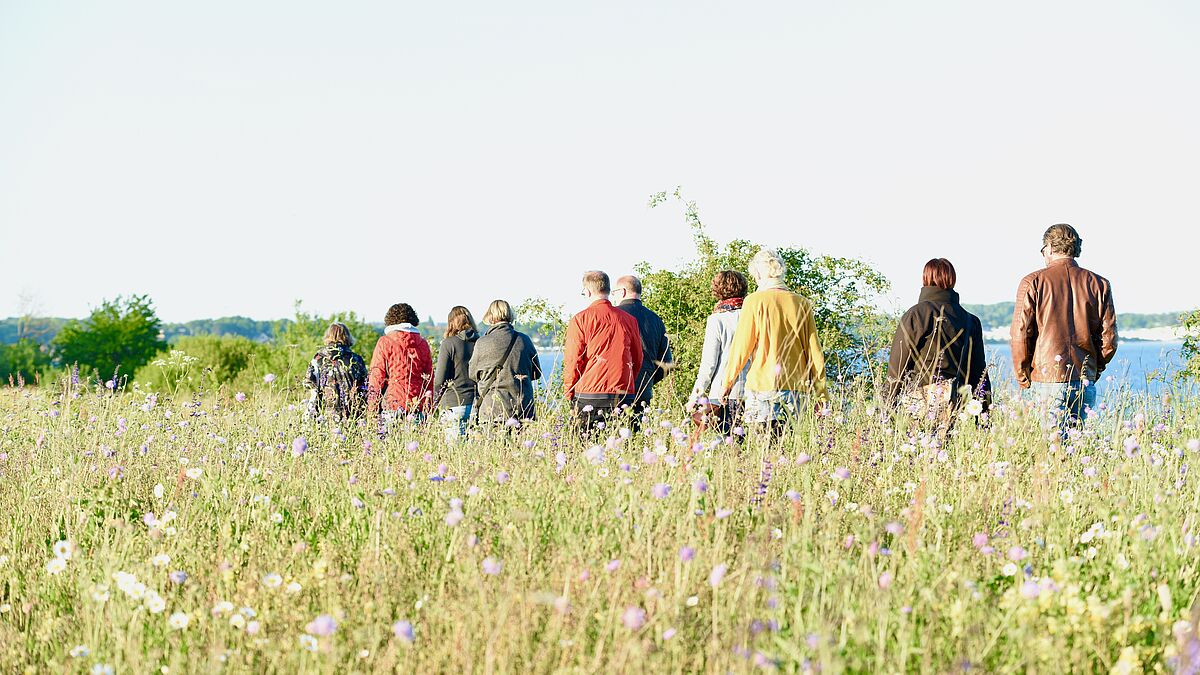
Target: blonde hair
pixel 597 282
pixel 767 264
pixel 498 312
pixel 338 334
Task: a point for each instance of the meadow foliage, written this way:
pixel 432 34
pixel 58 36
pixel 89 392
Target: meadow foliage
pixel 223 532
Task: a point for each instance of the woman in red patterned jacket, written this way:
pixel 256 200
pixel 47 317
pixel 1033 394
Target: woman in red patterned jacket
pixel 401 367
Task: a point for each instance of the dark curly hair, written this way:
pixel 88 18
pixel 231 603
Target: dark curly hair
pixel 729 284
pixel 401 312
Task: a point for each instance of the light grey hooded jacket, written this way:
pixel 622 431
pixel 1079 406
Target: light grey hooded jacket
pixel 718 336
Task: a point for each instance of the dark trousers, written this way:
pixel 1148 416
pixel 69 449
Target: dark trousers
pixel 635 408
pixel 589 412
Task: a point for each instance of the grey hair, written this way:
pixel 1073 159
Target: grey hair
pixel 767 264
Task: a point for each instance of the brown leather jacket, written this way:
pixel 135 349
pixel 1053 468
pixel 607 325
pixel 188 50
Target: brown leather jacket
pixel 1064 326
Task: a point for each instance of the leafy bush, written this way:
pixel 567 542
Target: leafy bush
pixel 26 360
pixel 203 363
pixel 120 335
pixel 842 290
pixel 1191 344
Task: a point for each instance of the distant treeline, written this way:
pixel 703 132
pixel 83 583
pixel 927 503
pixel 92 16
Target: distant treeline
pixel 999 315
pixel 43 329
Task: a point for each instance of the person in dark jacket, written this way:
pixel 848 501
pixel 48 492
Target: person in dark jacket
pixel 505 365
pixel 656 348
pixel 337 377
pixel 452 382
pixel 938 346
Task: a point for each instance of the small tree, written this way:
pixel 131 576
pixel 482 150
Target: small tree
pixel 120 335
pixel 23 361
pixel 1191 344
pixel 843 290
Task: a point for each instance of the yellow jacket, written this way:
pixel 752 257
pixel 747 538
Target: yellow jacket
pixel 777 333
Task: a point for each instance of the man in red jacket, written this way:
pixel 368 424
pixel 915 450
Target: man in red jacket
pixel 401 367
pixel 603 355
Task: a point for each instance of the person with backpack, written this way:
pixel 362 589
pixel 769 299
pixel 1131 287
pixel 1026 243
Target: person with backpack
pixel 337 377
pixel 452 382
pixel 504 364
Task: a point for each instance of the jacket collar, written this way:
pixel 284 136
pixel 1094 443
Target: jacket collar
pixel 1069 262
pixel 597 302
pixel 502 326
pixel 401 328
pixel 937 294
pixel 630 301
pixel 774 282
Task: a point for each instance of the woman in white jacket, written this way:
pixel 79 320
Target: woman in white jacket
pixel 730 288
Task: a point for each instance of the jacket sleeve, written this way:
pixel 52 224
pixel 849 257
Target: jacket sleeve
pixel 442 368
pixel 978 362
pixel 710 358
pixel 665 357
pixel 1024 332
pixel 816 357
pixel 745 337
pixel 635 348
pixel 377 377
pixel 425 368
pixel 311 377
pixel 572 358
pixel 533 358
pixel 901 360
pixel 1108 329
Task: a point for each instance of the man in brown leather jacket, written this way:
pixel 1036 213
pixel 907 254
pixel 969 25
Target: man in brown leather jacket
pixel 1064 329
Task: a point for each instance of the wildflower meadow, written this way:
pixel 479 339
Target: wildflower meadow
pixel 224 533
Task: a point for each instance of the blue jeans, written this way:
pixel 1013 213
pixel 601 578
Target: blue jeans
pixel 454 420
pixel 1068 402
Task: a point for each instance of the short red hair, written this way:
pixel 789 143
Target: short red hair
pixel 939 272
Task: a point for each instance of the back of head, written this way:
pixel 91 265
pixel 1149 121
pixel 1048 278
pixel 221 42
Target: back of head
pixel 499 311
pixel 399 313
pixel 1062 239
pixel 459 321
pixel 729 284
pixel 338 334
pixel 767 264
pixel 940 273
pixel 597 282
pixel 630 282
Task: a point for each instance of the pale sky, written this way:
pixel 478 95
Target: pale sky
pixel 232 157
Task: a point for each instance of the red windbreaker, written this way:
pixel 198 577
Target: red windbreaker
pixel 401 372
pixel 603 352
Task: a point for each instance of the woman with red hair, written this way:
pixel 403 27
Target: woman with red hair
pixel 938 348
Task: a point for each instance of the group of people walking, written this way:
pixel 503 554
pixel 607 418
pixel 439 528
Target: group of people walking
pixel 762 362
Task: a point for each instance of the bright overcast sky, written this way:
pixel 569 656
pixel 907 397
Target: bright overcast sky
pixel 232 157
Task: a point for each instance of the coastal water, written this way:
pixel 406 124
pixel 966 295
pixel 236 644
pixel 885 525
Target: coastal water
pixel 1139 367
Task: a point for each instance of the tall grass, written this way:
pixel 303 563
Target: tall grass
pixel 860 543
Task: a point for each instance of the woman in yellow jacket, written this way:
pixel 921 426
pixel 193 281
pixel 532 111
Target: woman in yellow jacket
pixel 777 333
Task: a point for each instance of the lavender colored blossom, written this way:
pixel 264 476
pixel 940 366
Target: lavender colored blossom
pixel 491 566
pixel 299 446
pixel 687 553
pixel 404 631
pixel 322 626
pixel 717 574
pixel 634 618
pixel 660 490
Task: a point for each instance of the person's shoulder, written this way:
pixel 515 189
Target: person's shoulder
pixel 1098 278
pixel 1032 277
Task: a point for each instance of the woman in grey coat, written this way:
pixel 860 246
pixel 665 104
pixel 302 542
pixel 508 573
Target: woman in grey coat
pixel 505 366
pixel 730 288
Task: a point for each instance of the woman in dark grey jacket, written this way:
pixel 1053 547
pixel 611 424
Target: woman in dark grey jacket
pixel 505 366
pixel 452 382
pixel 938 346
